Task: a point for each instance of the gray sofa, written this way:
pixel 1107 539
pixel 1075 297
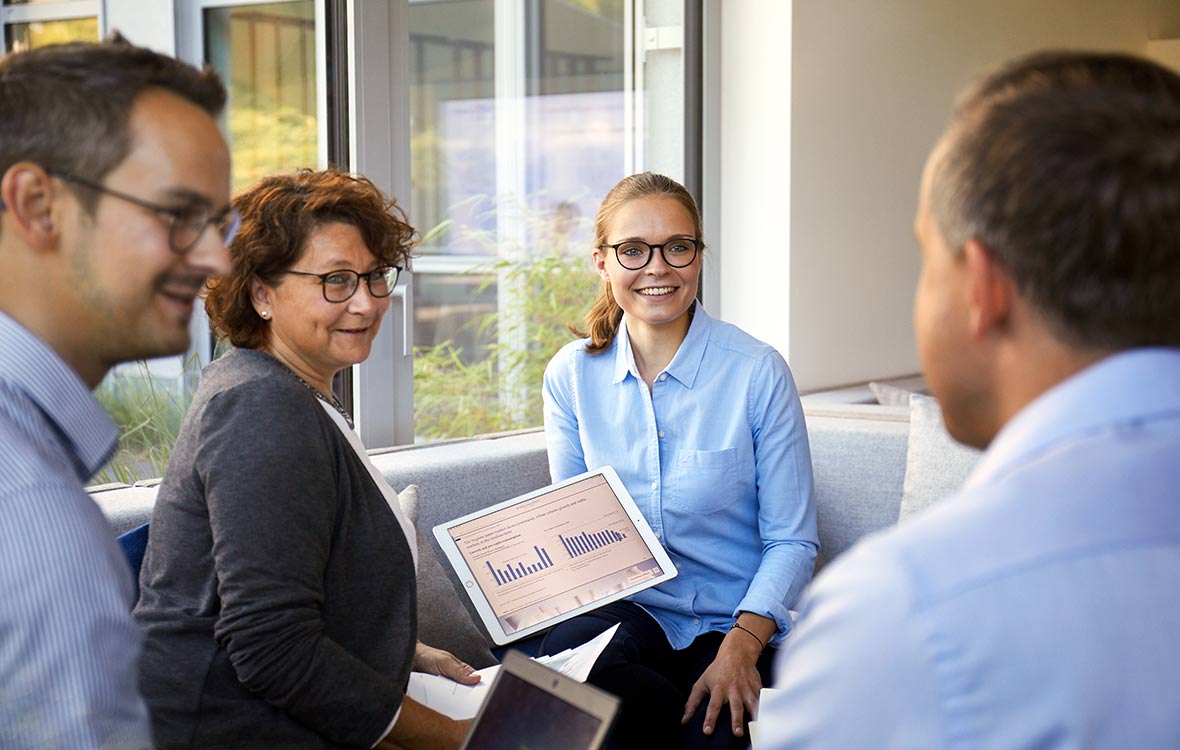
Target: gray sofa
pixel 859 454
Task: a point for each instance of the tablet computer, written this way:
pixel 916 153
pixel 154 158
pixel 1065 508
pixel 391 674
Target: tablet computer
pixel 530 705
pixel 530 562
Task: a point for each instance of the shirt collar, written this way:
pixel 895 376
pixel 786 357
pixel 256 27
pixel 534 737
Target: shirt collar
pixel 684 367
pixel 34 369
pixel 1122 388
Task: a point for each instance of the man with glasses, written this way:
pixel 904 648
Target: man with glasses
pixel 114 194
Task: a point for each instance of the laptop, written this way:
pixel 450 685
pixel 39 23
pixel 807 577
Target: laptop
pixel 533 561
pixel 533 707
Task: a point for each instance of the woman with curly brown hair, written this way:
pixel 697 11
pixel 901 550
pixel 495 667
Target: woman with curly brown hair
pixel 278 597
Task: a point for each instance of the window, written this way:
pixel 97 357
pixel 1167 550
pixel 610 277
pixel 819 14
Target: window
pixel 523 114
pixel 267 55
pixel 35 23
pixel 499 125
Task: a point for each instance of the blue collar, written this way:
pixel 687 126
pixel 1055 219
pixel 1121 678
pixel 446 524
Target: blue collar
pixel 34 369
pixel 1127 387
pixel 684 367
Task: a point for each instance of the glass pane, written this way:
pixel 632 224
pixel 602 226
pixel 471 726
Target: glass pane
pixel 513 148
pixel 148 401
pixel 23 36
pixel 266 55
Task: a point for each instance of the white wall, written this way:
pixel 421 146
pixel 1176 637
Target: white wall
pixel 816 240
pixel 752 146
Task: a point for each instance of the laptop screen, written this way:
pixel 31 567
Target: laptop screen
pixel 548 555
pixel 522 716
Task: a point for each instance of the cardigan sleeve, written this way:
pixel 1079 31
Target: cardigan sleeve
pixel 271 473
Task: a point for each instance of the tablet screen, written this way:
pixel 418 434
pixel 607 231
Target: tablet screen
pixel 550 554
pixel 519 714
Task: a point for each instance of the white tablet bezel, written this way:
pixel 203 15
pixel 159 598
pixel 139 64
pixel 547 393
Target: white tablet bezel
pixel 475 593
pixel 586 698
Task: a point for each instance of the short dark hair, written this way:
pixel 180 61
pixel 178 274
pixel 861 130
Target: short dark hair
pixel 279 214
pixel 1066 167
pixel 66 107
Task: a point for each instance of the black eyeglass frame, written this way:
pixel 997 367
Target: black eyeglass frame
pixel 175 217
pixel 357 276
pixel 696 249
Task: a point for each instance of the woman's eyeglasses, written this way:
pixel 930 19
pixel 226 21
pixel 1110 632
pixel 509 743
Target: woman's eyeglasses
pixel 339 286
pixel 634 255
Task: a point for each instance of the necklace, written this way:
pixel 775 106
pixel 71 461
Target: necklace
pixel 335 402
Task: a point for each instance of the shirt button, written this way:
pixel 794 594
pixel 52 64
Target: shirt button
pixel 663 376
pixel 661 433
pixel 696 621
pixel 655 485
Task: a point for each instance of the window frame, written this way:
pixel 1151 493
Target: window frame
pixel 65 10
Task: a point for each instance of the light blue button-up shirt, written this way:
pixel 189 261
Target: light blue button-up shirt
pixel 69 650
pixel 716 458
pixel 1037 608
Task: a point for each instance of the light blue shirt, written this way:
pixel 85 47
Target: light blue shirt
pixel 716 458
pixel 69 650
pixel 1037 608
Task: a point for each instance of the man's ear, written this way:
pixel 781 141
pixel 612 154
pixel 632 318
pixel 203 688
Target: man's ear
pixel 28 193
pixel 992 290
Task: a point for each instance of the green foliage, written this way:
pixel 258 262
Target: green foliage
pixel 501 390
pixel 148 415
pixel 268 137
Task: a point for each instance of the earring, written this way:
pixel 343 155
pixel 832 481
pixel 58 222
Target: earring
pixel 265 314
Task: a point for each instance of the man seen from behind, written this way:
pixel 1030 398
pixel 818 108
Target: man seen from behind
pixel 1037 607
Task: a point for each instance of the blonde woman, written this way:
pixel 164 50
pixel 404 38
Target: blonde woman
pixel 703 424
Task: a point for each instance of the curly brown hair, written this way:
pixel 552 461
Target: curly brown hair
pixel 279 214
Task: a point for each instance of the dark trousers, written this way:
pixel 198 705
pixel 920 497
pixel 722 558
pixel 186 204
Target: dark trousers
pixel 651 679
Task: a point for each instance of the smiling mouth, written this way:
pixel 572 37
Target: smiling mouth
pixel 657 291
pixel 182 288
pixel 182 296
pixel 353 331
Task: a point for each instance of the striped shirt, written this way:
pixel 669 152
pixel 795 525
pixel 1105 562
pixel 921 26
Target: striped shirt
pixel 69 649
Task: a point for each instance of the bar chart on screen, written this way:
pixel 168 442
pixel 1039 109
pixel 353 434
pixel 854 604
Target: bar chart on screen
pixel 516 571
pixel 590 541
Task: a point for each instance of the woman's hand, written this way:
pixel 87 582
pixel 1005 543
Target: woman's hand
pixel 436 661
pixel 733 676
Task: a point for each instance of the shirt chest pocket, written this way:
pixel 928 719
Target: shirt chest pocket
pixel 705 481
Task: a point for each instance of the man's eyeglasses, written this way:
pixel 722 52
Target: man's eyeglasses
pixel 339 286
pixel 634 255
pixel 186 224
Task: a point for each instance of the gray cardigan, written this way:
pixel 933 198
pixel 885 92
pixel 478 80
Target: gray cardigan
pixel 277 593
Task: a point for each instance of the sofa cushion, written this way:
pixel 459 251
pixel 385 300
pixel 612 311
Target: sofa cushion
pixel 936 464
pixel 126 508
pixel 462 477
pixel 443 622
pixel 858 461
pixel 890 395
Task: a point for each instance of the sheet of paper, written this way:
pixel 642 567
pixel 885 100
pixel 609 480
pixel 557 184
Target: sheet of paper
pixel 463 701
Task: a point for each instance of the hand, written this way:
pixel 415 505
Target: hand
pixel 436 661
pixel 732 678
